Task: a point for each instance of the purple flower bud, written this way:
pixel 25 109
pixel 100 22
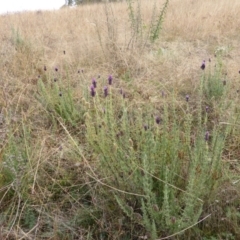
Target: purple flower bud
pixel 45 68
pixel 187 98
pixel 94 82
pixel 145 127
pixel 105 90
pixel 207 136
pixel 56 69
pixel 122 92
pixel 207 108
pixel 203 65
pixel 92 91
pixel 60 94
pixel 158 120
pixel 110 78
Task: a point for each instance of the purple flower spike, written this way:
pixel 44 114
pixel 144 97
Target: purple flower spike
pixel 94 82
pixel 105 90
pixel 206 136
pixel 92 91
pixel 187 98
pixel 203 65
pixel 158 120
pixel 110 78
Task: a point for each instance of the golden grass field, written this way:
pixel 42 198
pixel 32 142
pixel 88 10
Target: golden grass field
pixel 97 38
pixel 192 31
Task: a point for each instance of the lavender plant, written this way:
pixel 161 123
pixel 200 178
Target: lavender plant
pixel 214 84
pixel 58 100
pixel 161 174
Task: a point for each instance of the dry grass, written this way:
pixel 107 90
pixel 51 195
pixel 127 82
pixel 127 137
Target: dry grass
pixel 192 31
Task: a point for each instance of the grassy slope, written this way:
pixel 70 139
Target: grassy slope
pixel 192 31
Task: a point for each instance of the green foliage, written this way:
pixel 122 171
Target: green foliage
pixel 58 101
pixel 142 158
pixel 214 84
pixel 21 44
pixel 16 162
pixel 29 218
pixel 144 176
pixel 156 25
pixel 138 27
pixel 225 236
pixel 17 39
